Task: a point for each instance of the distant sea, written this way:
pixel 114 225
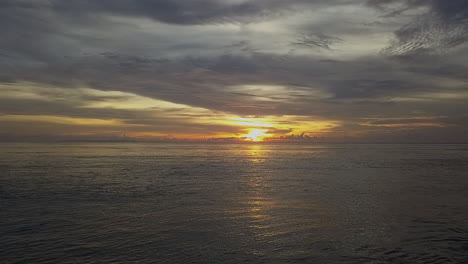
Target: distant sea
pixel 233 203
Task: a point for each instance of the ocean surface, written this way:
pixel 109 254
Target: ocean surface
pixel 233 203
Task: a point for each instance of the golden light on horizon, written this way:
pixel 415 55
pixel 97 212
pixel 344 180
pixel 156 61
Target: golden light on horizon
pixel 182 121
pixel 252 122
pixel 255 135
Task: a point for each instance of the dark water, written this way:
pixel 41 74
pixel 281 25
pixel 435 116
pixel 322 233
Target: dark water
pixel 191 203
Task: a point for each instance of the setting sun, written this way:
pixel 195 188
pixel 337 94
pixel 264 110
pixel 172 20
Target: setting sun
pixel 255 135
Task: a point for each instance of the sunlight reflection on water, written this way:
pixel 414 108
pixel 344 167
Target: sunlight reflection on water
pixel 221 203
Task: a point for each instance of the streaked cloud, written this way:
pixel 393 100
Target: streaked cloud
pixel 217 68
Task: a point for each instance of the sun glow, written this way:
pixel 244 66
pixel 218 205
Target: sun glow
pixel 255 135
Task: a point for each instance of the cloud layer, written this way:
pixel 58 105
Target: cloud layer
pixel 381 70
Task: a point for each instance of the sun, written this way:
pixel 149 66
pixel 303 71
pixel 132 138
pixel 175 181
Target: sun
pixel 255 135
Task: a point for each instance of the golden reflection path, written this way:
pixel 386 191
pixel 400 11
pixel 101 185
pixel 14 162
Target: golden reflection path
pixel 271 212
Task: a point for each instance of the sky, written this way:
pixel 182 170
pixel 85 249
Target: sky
pixel 329 70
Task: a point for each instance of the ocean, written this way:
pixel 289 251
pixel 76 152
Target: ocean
pixel 233 203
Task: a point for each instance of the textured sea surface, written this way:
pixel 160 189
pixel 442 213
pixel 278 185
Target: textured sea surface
pixel 233 203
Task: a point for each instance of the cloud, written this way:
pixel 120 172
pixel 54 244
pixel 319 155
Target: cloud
pixel 440 28
pixel 156 66
pixel 317 40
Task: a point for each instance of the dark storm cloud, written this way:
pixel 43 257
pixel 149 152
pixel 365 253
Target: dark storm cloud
pixel 43 31
pixel 172 11
pixel 347 85
pixel 368 88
